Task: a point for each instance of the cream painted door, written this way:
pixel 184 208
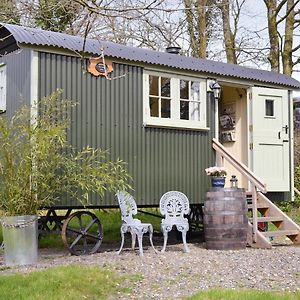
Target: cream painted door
pixel 269 137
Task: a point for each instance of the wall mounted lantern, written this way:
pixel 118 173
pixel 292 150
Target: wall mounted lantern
pixel 216 88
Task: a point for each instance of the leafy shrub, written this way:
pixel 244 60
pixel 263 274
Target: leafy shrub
pixel 38 166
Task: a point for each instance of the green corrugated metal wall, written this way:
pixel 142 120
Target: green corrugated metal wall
pixel 18 80
pixel 110 116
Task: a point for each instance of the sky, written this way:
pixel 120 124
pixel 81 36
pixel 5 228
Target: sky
pixel 254 17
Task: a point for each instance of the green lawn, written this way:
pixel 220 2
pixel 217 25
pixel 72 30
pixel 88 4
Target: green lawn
pixel 223 294
pixel 71 282
pixel 80 282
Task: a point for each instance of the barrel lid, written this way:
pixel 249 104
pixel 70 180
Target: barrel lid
pixel 212 189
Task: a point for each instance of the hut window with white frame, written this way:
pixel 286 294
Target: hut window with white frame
pixel 2 88
pixel 174 101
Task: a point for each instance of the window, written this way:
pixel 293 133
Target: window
pixel 2 88
pixel 174 101
pixel 189 100
pixel 159 96
pixel 269 108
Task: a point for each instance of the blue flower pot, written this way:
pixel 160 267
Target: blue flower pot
pixel 218 181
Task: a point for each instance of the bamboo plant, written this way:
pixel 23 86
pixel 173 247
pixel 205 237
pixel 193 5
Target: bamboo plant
pixel 38 166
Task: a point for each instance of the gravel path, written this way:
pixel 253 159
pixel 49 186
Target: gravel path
pixel 174 274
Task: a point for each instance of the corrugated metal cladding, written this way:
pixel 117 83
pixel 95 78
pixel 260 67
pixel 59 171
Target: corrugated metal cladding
pixel 34 36
pixel 110 116
pixel 17 80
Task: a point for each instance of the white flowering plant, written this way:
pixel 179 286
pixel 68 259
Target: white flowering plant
pixel 216 171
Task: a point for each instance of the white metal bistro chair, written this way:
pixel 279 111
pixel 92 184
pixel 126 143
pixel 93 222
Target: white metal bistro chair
pixel 174 205
pixel 134 226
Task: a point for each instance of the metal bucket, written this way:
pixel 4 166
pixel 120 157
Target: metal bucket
pixel 225 219
pixel 20 237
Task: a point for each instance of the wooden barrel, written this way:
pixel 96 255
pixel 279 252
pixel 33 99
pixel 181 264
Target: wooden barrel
pixel 225 219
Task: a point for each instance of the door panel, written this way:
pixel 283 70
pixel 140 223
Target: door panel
pixel 269 154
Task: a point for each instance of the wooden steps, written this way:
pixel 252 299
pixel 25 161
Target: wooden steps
pixel 268 219
pixel 280 233
pixel 271 213
pixel 259 205
pixel 261 240
pixel 263 211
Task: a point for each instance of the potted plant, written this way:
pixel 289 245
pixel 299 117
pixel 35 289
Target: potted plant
pixel 218 176
pixel 38 167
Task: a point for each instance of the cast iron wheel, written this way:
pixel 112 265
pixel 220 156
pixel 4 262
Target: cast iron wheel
pixel 82 233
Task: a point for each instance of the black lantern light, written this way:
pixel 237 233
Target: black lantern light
pixel 216 88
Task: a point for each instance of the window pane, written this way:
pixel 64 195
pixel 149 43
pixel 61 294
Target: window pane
pixel 184 89
pixel 153 102
pixel 184 110
pixel 153 85
pixel 270 108
pixel 195 91
pixel 195 111
pixel 165 87
pixel 165 108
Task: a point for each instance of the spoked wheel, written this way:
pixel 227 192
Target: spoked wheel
pixel 82 233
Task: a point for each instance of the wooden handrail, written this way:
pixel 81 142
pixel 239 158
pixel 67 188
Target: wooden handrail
pixel 239 166
pixel 256 183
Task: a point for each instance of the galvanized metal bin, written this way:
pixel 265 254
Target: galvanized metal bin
pixel 20 236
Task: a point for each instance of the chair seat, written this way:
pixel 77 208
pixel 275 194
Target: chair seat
pixel 138 225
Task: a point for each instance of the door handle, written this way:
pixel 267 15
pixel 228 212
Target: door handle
pixel 286 129
pixel 279 135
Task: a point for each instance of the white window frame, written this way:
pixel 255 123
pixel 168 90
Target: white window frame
pixel 174 121
pixel 2 88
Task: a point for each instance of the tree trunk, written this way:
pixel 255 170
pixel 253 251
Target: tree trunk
pixel 287 61
pixel 190 25
pixel 229 38
pixel 196 24
pixel 201 22
pixel 273 56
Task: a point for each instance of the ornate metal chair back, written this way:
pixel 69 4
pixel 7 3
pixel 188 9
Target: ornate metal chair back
pixel 174 205
pixel 127 206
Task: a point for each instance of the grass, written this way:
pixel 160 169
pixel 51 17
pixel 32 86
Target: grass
pixel 68 282
pixel 80 282
pixel 226 294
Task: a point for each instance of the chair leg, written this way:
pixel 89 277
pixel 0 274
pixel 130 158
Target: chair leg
pixel 165 233
pixel 122 241
pixel 185 247
pixel 133 239
pixel 150 237
pixel 140 241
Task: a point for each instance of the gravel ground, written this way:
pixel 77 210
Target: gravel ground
pixel 175 275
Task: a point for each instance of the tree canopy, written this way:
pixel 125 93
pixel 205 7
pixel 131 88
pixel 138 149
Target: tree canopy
pixel 215 29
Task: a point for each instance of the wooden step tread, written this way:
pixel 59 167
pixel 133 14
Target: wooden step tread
pixel 268 219
pixel 259 205
pixel 281 233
